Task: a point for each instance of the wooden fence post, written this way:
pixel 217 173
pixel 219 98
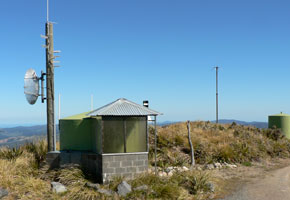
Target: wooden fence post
pixel 190 144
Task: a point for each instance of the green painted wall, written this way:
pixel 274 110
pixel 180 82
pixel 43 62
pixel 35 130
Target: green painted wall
pixel 96 128
pixel 136 134
pixel 103 134
pixel 76 134
pixel 113 140
pixel 281 121
pixel 114 137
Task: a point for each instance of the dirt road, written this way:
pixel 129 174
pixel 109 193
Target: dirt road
pixel 275 185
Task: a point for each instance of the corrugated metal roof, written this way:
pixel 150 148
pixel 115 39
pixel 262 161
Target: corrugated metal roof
pixel 123 107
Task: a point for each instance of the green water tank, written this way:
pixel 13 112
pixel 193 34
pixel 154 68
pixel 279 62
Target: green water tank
pixel 281 121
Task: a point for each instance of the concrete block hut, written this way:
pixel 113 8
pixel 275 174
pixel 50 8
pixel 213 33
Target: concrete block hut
pixel 109 141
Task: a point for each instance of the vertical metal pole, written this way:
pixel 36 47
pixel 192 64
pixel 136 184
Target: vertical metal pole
pixel 50 86
pixel 146 104
pixel 58 107
pixel 47 10
pixel 92 102
pixel 54 134
pixel 147 134
pixel 217 96
pixel 155 145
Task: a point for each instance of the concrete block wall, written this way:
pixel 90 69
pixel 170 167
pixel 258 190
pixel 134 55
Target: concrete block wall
pixel 103 167
pixel 126 165
pixel 53 159
pixel 92 165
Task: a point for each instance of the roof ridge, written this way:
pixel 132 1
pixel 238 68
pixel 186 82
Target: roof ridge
pixel 119 108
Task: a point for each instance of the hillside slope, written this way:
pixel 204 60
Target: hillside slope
pixel 218 143
pixel 25 176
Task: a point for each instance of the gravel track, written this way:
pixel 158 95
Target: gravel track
pixel 274 186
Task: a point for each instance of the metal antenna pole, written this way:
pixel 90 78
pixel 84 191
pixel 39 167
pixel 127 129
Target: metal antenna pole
pixel 92 102
pixel 47 10
pixel 217 96
pixel 50 86
pixel 155 145
pixel 58 106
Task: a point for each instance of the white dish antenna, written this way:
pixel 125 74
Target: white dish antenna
pixel 31 86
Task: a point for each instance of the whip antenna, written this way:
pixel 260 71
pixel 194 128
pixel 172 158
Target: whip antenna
pixel 47 10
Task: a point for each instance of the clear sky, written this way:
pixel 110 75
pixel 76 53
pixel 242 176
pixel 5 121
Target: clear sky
pixel 160 50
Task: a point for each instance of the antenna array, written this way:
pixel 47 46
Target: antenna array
pixel 31 83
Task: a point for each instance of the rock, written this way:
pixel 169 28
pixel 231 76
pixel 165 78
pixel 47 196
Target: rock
pixel 199 168
pixel 184 168
pixel 141 188
pixel 162 174
pixel 230 166
pixel 178 169
pixel 106 192
pixel 210 186
pixel 124 188
pixel 93 185
pixel 209 166
pixel 58 187
pixel 3 193
pixel 170 174
pixel 168 169
pixel 218 165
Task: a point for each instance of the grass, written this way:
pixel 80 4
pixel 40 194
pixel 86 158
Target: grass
pixel 22 172
pixel 183 185
pixel 230 143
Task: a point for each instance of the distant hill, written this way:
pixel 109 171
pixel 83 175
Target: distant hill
pixel 25 131
pixel 21 134
pixel 226 121
pixel 255 124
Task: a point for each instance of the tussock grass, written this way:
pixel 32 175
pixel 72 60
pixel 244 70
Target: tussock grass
pixel 183 185
pixel 217 143
pixel 38 149
pixel 10 153
pixel 23 175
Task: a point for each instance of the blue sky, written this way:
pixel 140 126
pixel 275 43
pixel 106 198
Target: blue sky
pixel 160 50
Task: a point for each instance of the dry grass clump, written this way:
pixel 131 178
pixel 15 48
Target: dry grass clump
pixel 22 174
pixel 218 143
pixel 185 185
pixel 20 177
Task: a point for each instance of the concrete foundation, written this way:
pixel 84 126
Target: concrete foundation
pixel 102 166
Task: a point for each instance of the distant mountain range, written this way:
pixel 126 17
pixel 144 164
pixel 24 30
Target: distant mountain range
pixel 226 121
pixel 21 134
pixel 256 124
